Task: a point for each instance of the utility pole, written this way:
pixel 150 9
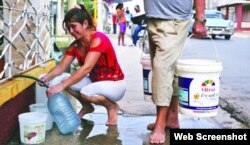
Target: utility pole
pixel 71 4
pixel 99 15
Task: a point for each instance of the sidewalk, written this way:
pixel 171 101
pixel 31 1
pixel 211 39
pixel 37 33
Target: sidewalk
pixel 129 58
pixel 243 34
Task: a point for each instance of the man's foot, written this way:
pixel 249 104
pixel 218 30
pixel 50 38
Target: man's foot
pixel 112 114
pixel 151 126
pixel 158 136
pixel 85 110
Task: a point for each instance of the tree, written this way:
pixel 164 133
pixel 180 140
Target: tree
pixel 87 3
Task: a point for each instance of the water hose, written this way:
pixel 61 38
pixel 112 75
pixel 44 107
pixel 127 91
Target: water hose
pixel 43 84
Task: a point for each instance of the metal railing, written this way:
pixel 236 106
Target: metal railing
pixel 27 34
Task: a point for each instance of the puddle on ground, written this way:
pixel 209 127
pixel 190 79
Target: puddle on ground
pixel 131 130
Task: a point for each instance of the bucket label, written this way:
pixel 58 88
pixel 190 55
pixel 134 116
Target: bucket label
pixel 33 133
pixel 147 79
pixel 199 94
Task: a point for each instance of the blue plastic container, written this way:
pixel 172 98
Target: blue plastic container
pixel 63 113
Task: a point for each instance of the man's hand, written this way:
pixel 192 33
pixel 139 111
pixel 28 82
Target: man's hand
pixel 199 30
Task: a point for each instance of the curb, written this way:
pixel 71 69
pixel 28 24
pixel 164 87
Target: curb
pixel 235 113
pixel 242 34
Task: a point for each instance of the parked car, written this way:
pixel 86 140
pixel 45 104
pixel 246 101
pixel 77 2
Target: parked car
pixel 216 24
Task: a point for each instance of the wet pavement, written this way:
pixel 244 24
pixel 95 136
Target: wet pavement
pixel 134 115
pixel 131 129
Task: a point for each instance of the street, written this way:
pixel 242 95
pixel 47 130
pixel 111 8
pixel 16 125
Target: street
pixel 235 76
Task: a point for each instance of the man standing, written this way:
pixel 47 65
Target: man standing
pixel 168 22
pixel 114 23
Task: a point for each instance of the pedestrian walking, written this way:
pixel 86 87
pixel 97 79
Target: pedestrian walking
pixel 100 79
pixel 167 23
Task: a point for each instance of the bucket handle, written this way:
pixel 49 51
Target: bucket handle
pixel 215 48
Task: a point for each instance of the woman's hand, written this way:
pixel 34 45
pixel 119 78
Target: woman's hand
pixel 44 80
pixel 55 89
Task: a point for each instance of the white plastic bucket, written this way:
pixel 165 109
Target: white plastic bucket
pixel 147 77
pixel 41 107
pixel 198 86
pixel 32 127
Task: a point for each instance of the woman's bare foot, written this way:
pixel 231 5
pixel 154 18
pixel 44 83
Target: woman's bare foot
pixel 112 114
pixel 85 110
pixel 158 136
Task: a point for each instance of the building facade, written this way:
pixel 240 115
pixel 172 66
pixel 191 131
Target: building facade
pixel 236 10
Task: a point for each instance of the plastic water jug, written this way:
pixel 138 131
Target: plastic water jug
pixel 63 113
